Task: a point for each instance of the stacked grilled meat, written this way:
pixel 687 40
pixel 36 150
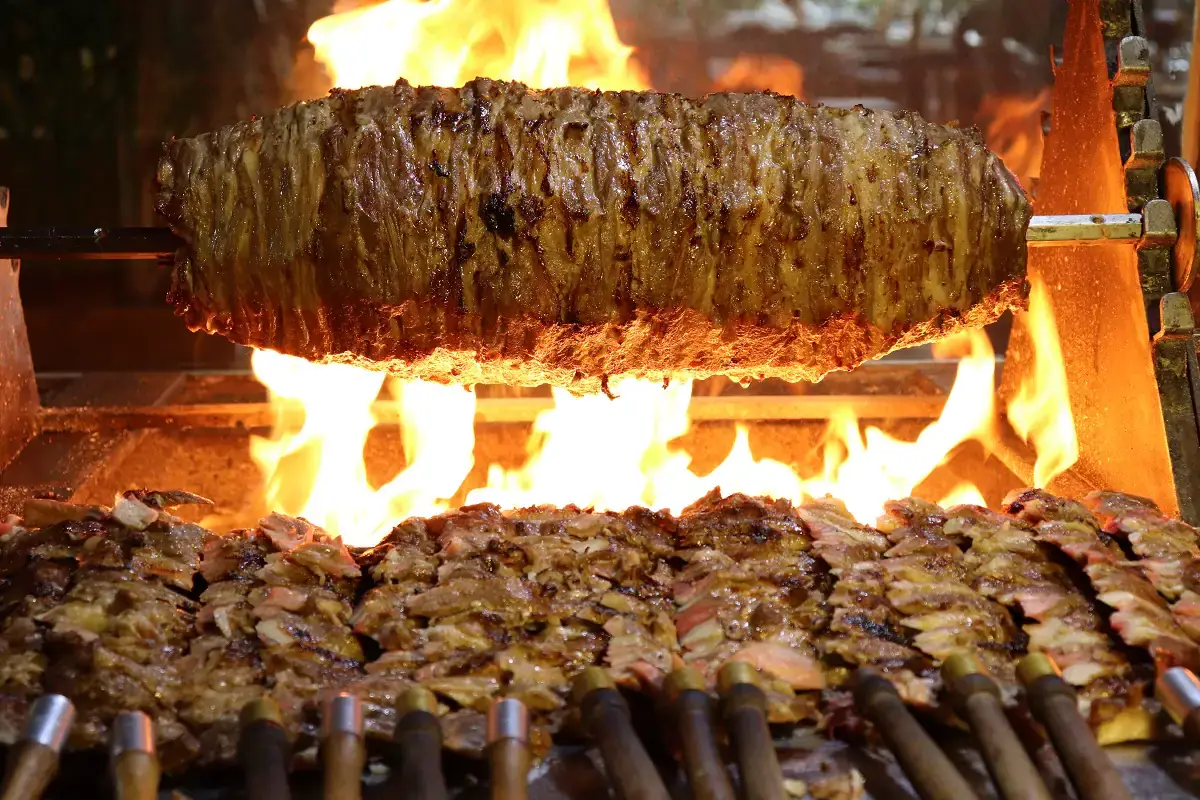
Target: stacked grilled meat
pixel 132 608
pixel 494 234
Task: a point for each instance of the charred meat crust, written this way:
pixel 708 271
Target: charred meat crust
pixel 493 234
pixel 476 602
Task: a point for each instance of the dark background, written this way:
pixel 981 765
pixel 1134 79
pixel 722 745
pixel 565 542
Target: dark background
pixel 89 89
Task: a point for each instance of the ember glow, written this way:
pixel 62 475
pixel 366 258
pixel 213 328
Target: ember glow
pixel 589 451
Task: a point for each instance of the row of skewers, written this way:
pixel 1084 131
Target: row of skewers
pixel 265 751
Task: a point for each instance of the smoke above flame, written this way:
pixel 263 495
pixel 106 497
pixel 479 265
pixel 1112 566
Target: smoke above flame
pixel 589 451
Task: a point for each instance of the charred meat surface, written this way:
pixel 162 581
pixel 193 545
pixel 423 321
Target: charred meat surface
pixel 131 608
pixel 494 234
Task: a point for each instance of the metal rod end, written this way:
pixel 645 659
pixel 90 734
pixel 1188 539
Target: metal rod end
pixel 1034 666
pixel 342 713
pixel 960 665
pixel 50 721
pixel 132 731
pixel 416 698
pixel 734 673
pixel 683 680
pixel 264 709
pixel 870 685
pixel 1179 691
pixel 507 719
pixel 588 681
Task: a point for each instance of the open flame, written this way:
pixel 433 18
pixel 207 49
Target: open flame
pixel 1012 126
pixel 590 451
pixel 1040 409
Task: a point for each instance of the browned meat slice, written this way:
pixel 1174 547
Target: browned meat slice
pixel 866 630
pixel 1008 564
pixel 1140 616
pixel 927 583
pixel 224 666
pixel 36 570
pixel 493 234
pixel 750 591
pixel 117 640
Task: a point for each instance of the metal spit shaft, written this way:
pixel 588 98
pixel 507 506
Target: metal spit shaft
pixel 155 243
pixel 1053 703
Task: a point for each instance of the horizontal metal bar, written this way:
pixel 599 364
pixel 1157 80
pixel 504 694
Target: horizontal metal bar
pixel 88 244
pixel 491 410
pixel 1081 229
pixel 158 243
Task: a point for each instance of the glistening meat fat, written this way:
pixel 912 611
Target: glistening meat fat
pixel 493 234
pixel 132 608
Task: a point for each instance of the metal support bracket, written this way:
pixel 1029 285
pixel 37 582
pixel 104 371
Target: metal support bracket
pixel 1178 372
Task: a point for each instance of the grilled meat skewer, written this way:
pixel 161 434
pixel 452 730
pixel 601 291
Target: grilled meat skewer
pixel 493 234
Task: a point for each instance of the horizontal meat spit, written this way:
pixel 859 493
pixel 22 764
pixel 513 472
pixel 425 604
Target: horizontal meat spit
pixel 159 243
pixel 690 716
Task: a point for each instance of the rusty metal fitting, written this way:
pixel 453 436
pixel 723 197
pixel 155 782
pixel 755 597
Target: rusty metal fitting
pixel 960 665
pixel 1133 62
pixel 682 680
pixel 416 698
pixel 588 681
pixel 1035 666
pixel 736 673
pixel 263 709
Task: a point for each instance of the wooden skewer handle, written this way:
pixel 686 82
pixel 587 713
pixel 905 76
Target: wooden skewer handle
pixel 418 742
pixel 629 768
pixel 931 772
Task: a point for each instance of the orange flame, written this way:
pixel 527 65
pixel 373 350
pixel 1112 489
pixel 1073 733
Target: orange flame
pixel 590 451
pixel 612 454
pixel 757 72
pixel 1012 127
pixel 1040 409
pixel 448 42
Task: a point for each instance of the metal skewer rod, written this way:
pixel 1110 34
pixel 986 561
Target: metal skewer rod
pixel 418 747
pixel 932 774
pixel 34 760
pixel 343 748
pixel 744 710
pixel 158 243
pixel 134 757
pixel 1077 229
pixel 264 751
pixel 1179 692
pixel 508 749
pixel 977 700
pixel 606 719
pixel 690 712
pixel 1052 702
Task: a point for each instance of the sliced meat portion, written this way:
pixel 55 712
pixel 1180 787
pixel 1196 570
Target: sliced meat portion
pixel 866 629
pixel 1008 564
pixel 1140 616
pixel 493 234
pixel 750 590
pixel 927 582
